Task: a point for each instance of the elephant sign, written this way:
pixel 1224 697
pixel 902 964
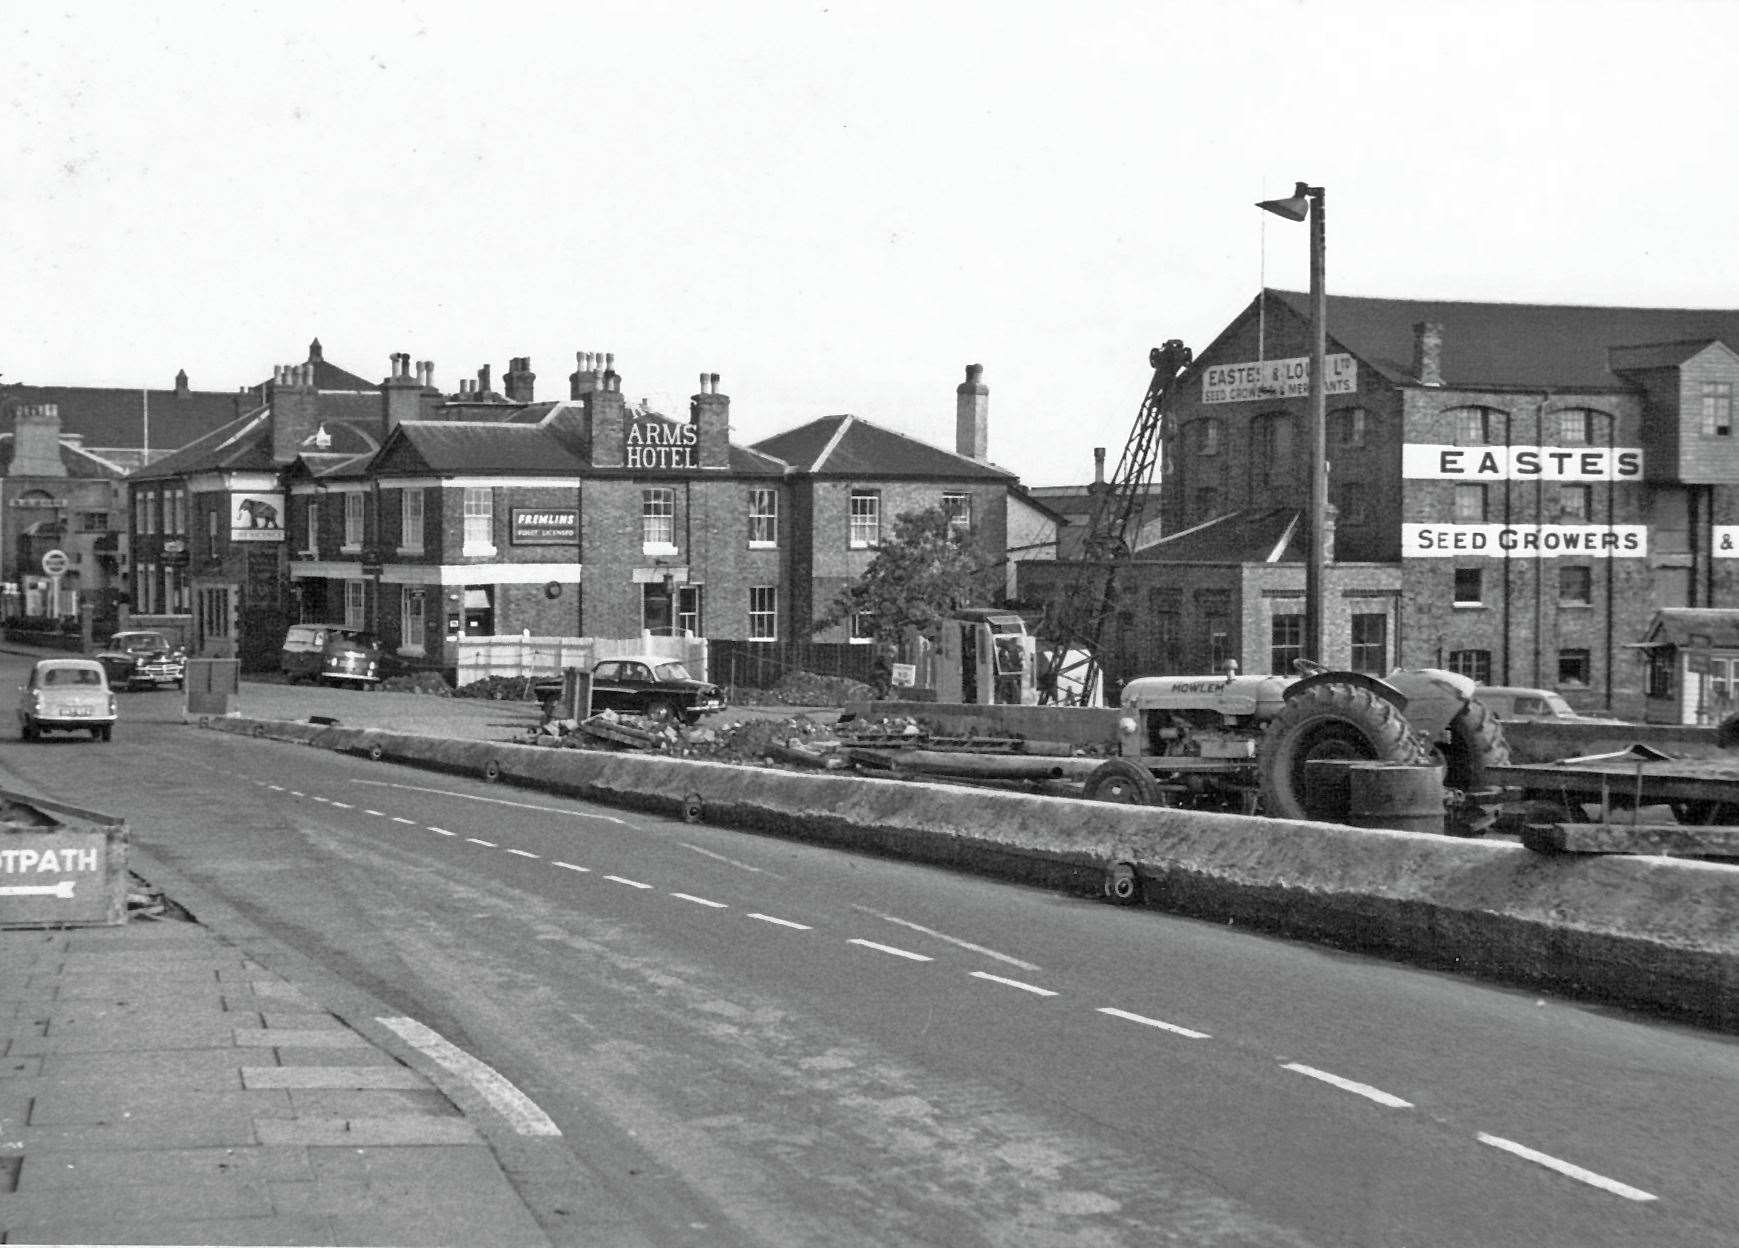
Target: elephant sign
pixel 256 518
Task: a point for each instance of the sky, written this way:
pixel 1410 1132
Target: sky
pixel 834 206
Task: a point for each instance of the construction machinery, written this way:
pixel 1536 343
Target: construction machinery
pixel 1077 623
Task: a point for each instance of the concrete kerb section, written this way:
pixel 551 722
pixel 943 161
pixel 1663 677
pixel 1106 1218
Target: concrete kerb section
pixel 1650 933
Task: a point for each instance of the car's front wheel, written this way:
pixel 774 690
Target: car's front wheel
pixel 104 733
pixel 27 731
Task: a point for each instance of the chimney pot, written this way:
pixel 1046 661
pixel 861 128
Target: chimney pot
pixel 1098 465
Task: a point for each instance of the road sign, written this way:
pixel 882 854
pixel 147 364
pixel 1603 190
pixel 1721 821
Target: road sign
pixel 55 562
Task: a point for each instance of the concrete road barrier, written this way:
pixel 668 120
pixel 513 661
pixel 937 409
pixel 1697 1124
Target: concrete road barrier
pixel 1650 933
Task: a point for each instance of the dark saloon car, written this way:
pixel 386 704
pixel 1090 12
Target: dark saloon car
pixel 140 657
pixel 647 684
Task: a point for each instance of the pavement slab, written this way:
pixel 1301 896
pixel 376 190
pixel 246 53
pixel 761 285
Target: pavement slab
pixel 311 1077
pixel 340 1132
pixel 74 1171
pixel 232 1232
pixel 149 1104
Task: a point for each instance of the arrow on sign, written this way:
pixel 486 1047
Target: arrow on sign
pixel 63 890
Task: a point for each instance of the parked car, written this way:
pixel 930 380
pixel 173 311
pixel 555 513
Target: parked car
pixel 330 654
pixel 1513 702
pixel 651 685
pixel 143 657
pixel 67 695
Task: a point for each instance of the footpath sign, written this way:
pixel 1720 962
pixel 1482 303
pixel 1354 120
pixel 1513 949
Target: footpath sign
pixel 60 865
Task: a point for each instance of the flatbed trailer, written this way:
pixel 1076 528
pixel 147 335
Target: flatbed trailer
pixel 1698 791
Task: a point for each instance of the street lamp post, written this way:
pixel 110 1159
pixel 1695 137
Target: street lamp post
pixel 1307 201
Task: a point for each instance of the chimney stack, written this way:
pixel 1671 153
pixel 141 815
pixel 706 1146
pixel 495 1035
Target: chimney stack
pixel 295 410
pixel 600 386
pixel 709 413
pixel 1098 465
pixel 972 415
pixel 588 376
pixel 401 395
pixel 36 441
pixel 483 382
pixel 519 380
pixel 1428 353
pixel 181 384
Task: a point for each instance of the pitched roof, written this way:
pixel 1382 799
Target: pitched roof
pixel 850 446
pixel 110 416
pixel 243 445
pixel 1676 626
pixel 460 446
pixel 1509 345
pixel 328 376
pixel 1259 535
pixel 77 461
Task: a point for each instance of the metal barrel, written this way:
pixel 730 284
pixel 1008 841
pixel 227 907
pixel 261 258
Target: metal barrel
pixel 1407 797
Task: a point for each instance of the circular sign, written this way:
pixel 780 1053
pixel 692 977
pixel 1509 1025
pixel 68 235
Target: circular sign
pixel 55 562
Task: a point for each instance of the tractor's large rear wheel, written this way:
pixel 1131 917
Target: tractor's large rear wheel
pixel 1331 721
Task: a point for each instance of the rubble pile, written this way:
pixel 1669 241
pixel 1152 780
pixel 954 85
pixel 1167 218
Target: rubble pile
pixel 805 689
pixel 797 741
pixel 418 682
pixel 498 689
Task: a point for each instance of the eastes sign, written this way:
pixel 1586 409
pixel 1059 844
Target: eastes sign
pixel 1422 461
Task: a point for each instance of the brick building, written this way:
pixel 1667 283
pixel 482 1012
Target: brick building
pixel 1516 488
pixel 426 518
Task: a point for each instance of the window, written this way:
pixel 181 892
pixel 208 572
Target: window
pixel 1219 650
pixel 658 520
pixel 1573 428
pixel 1347 427
pixel 353 503
pixel 1658 682
pixel 150 511
pixel 1474 663
pixel 175 591
pixel 1471 427
pixel 145 588
pixel 1574 668
pixel 1467 588
pixel 1469 503
pixel 1208 436
pixel 763 518
pixel 863 626
pixel 1575 503
pixel 411 519
pixel 866 519
pixel 688 609
pixel 311 543
pixel 93 521
pixel 413 619
pixel 1717 409
pixel 1286 643
pixel 138 511
pixel 1370 642
pixel 479 520
pixel 1576 585
pixel 764 613
pixel 355 604
pixel 1274 445
pixel 958 509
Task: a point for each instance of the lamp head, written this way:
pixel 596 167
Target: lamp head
pixel 1295 207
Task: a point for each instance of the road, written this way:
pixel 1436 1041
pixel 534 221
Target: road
pixel 750 1041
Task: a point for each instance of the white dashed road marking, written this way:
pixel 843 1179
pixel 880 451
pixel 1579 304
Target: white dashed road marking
pixel 953 940
pixel 477 841
pixel 624 880
pixel 524 853
pixel 1347 1085
pixel 567 866
pixel 402 819
pixel 700 901
pixel 1154 1022
pixel 343 805
pixel 1014 983
pixel 898 953
pixel 378 814
pixel 1565 1168
pixel 441 831
pixel 767 918
pixel 521 1112
pixel 497 801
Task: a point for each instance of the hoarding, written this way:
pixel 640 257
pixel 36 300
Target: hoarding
pixel 1276 379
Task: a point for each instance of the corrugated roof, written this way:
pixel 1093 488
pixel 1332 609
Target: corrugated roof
pixel 850 446
pixel 1513 345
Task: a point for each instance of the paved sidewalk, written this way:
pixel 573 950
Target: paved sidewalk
pixel 158 1087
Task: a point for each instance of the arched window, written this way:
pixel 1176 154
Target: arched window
pixel 1274 446
pixel 1579 426
pixel 1208 435
pixel 1347 427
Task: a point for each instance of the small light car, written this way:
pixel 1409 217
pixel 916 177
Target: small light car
pixel 67 695
pixel 138 657
pixel 1513 702
pixel 657 687
pixel 330 654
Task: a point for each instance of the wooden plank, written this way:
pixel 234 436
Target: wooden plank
pixel 1632 838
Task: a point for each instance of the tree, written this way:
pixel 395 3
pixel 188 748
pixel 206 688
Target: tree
pixel 927 569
